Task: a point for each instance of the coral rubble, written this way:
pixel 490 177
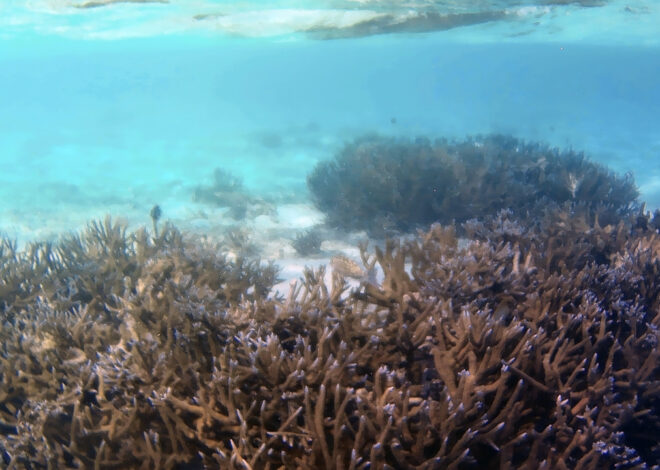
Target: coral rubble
pixel 527 346
pixel 384 185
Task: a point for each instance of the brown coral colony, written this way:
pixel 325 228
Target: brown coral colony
pixel 518 329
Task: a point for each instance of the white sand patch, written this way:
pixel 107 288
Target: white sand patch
pixel 299 216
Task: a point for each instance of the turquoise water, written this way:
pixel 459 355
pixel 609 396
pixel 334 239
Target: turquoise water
pixel 520 340
pixel 119 107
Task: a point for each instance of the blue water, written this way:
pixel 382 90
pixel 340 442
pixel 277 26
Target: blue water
pixel 94 126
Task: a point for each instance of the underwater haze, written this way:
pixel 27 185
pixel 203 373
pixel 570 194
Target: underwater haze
pixel 114 106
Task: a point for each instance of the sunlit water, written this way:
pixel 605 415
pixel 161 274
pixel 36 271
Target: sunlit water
pixel 115 108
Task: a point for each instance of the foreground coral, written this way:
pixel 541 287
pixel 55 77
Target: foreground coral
pixel 526 346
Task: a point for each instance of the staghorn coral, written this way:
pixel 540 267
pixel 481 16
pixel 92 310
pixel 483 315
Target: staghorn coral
pixel 228 191
pixel 514 349
pixel 308 243
pixel 385 185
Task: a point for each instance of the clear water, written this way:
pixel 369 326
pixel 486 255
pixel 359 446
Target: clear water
pixel 116 107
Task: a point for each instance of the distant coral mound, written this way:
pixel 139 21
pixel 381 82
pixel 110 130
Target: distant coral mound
pixel 228 191
pixel 526 346
pixel 384 184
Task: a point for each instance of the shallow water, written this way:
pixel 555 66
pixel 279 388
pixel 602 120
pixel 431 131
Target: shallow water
pixel 527 338
pixel 113 108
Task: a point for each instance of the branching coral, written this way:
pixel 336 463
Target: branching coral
pixel 308 242
pixel 385 185
pixel 227 190
pixel 526 346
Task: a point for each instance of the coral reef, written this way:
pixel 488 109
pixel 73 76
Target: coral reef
pixel 530 345
pixel 308 243
pixel 227 190
pixel 240 240
pixel 385 185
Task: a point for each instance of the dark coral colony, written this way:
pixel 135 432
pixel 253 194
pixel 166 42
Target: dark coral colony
pixel 514 323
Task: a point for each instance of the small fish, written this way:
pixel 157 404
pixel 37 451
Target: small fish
pixel 346 267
